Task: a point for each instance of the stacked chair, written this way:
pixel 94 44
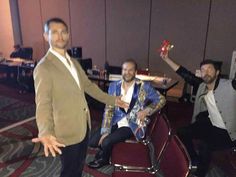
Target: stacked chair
pixel 160 154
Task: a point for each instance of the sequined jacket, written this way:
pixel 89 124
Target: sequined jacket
pixel 144 95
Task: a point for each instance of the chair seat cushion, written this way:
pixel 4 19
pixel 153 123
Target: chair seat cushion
pixel 131 154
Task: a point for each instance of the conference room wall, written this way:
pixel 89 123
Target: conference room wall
pixel 31 26
pixel 6 31
pixel 55 8
pixel 222 32
pixel 88 29
pixel 128 31
pixel 119 29
pixel 182 24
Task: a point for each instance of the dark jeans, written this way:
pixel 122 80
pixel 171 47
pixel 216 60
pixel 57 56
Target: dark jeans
pixel 210 138
pixel 73 158
pixel 117 135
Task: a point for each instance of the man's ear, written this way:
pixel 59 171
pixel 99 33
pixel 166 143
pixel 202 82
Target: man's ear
pixel 45 35
pixel 217 72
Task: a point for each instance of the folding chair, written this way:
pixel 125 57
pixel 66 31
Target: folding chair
pixel 175 161
pixel 132 155
pixel 141 157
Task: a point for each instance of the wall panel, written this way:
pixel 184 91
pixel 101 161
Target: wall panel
pixel 31 26
pixel 128 31
pixel 184 23
pixel 88 28
pixel 222 30
pixel 55 8
pixel 6 30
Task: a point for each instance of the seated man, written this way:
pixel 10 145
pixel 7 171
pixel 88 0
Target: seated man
pixel 213 121
pixel 119 124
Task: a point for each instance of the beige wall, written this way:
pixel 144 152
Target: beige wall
pixel 183 25
pixel 119 29
pixel 222 31
pixel 127 31
pixel 31 26
pixel 88 28
pixel 6 31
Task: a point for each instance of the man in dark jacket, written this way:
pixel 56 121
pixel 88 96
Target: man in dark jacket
pixel 213 122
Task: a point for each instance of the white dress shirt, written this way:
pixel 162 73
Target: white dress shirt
pixel 213 111
pixel 70 66
pixel 126 97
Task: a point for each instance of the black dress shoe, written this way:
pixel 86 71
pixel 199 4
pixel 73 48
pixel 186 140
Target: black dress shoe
pixel 97 163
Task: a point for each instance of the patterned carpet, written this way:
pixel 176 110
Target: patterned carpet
pixel 13 111
pixel 20 157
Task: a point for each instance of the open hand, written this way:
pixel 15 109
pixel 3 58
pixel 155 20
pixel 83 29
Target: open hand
pixel 50 144
pixel 121 103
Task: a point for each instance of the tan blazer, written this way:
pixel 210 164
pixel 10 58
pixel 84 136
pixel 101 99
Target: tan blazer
pixel 61 108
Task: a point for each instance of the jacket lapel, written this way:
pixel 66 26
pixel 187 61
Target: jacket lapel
pixel 134 96
pixel 60 66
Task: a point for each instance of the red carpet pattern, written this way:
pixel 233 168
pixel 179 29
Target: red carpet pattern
pixel 19 157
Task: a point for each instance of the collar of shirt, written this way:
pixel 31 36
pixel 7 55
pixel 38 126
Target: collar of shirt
pixel 70 67
pixel 60 57
pixel 127 96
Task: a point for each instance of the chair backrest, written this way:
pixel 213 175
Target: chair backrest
pixel 24 52
pixel 160 135
pixel 86 64
pixel 28 53
pixel 114 69
pixel 75 52
pixel 153 121
pixel 175 161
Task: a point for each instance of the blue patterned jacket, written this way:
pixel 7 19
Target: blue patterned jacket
pixel 144 95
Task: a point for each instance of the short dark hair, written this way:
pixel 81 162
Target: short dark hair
pixel 53 20
pixel 217 64
pixel 130 60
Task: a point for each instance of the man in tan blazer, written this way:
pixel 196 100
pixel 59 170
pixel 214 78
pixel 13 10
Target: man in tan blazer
pixel 62 112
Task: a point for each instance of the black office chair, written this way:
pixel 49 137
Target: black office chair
pixel 86 64
pixel 114 69
pixel 75 52
pixel 25 53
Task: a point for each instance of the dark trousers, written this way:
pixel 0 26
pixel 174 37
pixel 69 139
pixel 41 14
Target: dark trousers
pixel 210 138
pixel 117 135
pixel 73 158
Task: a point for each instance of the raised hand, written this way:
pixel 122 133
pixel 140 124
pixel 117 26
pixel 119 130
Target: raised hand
pixel 165 48
pixel 50 144
pixel 121 103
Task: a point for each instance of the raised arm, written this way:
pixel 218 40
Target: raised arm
pixel 187 75
pixel 170 62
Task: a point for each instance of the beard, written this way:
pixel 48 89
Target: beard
pixel 209 79
pixel 61 44
pixel 128 79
